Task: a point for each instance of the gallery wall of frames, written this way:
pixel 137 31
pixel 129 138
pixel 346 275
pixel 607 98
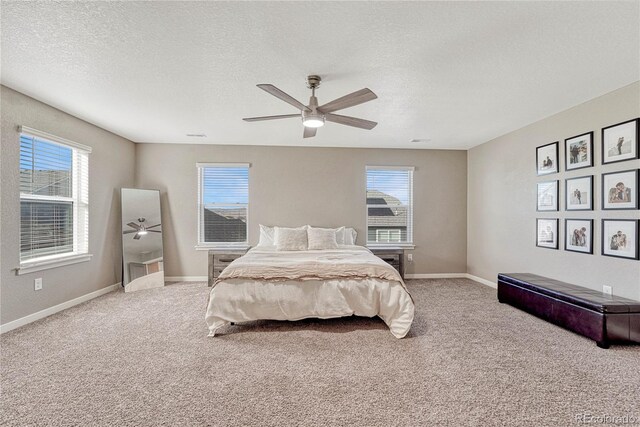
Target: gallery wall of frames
pixel 619 190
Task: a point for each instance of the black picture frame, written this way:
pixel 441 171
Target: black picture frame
pixel 568 195
pixel 568 156
pixel 634 253
pixel 556 167
pixel 556 206
pixel 634 193
pixel 567 243
pixel 553 245
pixel 636 145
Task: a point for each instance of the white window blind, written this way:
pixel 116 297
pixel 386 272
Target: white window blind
pixel 223 204
pixel 389 205
pixel 54 197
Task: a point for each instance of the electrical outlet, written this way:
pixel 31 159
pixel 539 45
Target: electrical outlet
pixel 607 290
pixel 410 257
pixel 37 283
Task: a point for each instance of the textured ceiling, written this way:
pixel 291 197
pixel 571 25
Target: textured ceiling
pixel 457 73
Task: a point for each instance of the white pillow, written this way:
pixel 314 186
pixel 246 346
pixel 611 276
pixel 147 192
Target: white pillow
pixel 291 239
pixel 350 236
pixel 340 233
pixel 322 238
pixel 267 235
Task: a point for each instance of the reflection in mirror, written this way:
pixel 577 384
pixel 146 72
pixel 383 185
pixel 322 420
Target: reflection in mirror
pixel 142 256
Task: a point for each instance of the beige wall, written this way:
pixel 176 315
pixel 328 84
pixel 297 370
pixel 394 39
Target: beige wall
pixel 474 211
pixel 111 166
pixel 502 200
pixel 320 186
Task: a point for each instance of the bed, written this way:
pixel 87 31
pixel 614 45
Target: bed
pixel 270 284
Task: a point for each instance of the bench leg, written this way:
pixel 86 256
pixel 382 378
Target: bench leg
pixel 602 344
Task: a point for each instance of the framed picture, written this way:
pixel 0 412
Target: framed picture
pixel 547 158
pixel 620 190
pixel 547 196
pixel 547 233
pixel 578 151
pixel 620 238
pixel 579 193
pixel 578 235
pixel 620 142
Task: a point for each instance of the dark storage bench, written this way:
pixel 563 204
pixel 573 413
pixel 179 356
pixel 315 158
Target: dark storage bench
pixel 604 318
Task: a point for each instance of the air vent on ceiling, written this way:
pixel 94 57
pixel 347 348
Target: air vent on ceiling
pixel 421 140
pixel 197 135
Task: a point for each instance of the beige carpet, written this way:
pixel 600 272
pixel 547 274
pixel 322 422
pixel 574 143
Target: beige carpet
pixel 144 359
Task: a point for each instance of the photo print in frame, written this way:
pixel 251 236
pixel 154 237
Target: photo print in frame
pixel 578 151
pixel 547 196
pixel 620 238
pixel 579 193
pixel 620 190
pixel 620 142
pixel 547 159
pixel 547 233
pixel 578 235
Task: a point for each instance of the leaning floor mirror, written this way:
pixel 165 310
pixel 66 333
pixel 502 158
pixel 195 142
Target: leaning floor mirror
pixel 142 256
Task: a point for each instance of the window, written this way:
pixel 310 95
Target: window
pixel 54 198
pixel 223 204
pixel 390 235
pixel 389 205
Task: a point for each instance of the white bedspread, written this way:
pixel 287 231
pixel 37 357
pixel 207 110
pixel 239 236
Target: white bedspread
pixel 349 281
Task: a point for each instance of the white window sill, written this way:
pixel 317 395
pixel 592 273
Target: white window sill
pixel 390 245
pixel 45 264
pixel 243 247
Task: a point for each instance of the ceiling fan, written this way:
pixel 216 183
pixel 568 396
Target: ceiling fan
pixel 314 116
pixel 141 229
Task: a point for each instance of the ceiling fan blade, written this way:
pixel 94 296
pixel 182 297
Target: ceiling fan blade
pixel 129 231
pixel 153 226
pixel 282 116
pixel 136 237
pixel 134 225
pixel 309 132
pixel 283 96
pixel 350 121
pixel 154 231
pixel 356 98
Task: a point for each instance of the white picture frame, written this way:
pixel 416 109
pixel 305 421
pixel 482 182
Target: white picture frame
pixel 578 235
pixel 547 159
pixel 547 192
pixel 578 152
pixel 620 141
pixel 620 190
pixel 620 238
pixel 579 193
pixel 547 233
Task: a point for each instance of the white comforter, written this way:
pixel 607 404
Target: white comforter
pixel 322 284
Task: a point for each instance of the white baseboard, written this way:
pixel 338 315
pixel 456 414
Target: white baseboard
pixel 186 278
pixel 436 276
pixel 55 309
pixel 482 281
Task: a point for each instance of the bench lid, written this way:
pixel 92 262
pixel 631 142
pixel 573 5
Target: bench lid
pixel 574 294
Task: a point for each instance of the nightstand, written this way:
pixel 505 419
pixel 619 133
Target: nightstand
pixel 394 256
pixel 219 259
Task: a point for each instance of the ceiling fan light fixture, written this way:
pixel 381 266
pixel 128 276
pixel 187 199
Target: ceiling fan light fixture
pixel 142 233
pixel 314 115
pixel 313 120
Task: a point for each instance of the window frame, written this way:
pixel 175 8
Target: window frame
pixel 79 196
pixel 201 244
pixel 409 243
